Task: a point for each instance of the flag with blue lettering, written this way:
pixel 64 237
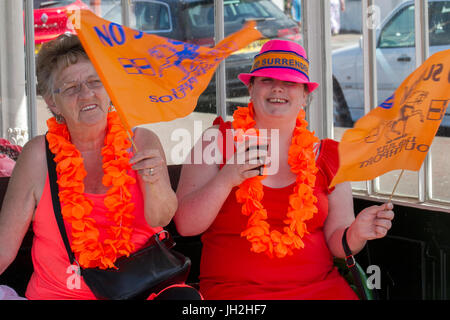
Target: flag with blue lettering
pixel 151 78
pixel 398 133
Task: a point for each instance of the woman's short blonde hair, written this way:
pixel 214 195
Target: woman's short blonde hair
pixel 53 57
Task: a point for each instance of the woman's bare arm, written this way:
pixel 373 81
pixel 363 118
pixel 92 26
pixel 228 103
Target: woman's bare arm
pixel 24 191
pixel 160 201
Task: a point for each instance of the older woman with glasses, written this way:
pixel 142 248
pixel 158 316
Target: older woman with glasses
pixel 112 201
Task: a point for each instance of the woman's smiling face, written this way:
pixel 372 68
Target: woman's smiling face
pixel 88 106
pixel 273 98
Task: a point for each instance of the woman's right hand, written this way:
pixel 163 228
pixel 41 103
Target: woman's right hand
pixel 203 188
pixel 244 164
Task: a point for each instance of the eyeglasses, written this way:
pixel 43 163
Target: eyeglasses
pixel 72 88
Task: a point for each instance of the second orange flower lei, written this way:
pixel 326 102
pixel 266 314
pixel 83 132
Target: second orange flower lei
pixel 76 208
pixel 301 202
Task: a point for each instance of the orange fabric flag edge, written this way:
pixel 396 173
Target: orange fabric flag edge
pixel 141 106
pixel 398 133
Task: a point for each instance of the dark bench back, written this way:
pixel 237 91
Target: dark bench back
pixel 174 174
pixel 189 246
pixel 19 272
pixel 3 185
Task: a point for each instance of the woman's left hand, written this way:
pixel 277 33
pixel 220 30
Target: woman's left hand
pixel 149 164
pixel 373 222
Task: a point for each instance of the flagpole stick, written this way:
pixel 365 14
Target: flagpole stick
pixel 132 141
pixel 125 124
pixel 396 184
pixel 127 129
pixel 136 150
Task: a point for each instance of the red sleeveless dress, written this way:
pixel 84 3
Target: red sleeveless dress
pixel 53 278
pixel 229 270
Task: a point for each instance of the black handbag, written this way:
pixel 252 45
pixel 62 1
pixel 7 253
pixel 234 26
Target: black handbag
pixel 146 271
pixel 350 262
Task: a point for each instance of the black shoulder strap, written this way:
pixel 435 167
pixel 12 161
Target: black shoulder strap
pixel 351 264
pixel 55 199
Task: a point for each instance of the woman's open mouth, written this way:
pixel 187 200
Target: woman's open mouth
pixel 89 107
pixel 277 100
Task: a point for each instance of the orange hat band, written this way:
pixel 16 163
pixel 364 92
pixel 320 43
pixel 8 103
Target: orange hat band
pixel 281 59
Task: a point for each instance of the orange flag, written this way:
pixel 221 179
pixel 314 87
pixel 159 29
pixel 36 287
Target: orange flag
pixel 398 133
pixel 150 78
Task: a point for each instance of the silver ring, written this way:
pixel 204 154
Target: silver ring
pixel 151 171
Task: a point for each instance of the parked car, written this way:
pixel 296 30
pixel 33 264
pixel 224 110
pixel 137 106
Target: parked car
pixel 395 54
pixel 193 21
pixel 50 18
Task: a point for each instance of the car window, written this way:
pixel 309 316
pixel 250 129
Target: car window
pixel 148 16
pixel 439 22
pixel 201 14
pixel 152 16
pixel 399 32
pixel 38 4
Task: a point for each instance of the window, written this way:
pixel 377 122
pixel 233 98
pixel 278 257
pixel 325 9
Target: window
pixel 148 16
pixel 400 31
pixel 38 4
pixel 439 23
pixel 152 16
pixel 193 22
pixel 236 11
pixel 396 60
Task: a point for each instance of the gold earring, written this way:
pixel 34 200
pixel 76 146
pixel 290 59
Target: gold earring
pixel 60 119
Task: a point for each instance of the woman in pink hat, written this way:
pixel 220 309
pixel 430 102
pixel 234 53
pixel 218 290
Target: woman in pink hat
pixel 272 233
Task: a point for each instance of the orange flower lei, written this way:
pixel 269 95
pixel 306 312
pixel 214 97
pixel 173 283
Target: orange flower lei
pixel 76 208
pixel 301 202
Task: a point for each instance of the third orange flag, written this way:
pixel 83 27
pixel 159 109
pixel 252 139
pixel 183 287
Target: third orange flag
pixel 398 133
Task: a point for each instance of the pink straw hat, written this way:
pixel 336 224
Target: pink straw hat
pixel 283 60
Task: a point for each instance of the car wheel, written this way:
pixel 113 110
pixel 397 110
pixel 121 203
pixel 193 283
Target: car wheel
pixel 341 114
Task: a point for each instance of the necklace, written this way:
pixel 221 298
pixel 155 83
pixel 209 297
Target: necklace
pixel 301 202
pixel 76 207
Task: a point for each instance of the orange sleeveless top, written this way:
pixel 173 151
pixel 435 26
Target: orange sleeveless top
pixel 229 270
pixel 53 277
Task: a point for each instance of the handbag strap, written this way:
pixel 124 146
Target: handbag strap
pixel 55 200
pixel 52 177
pixel 351 264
